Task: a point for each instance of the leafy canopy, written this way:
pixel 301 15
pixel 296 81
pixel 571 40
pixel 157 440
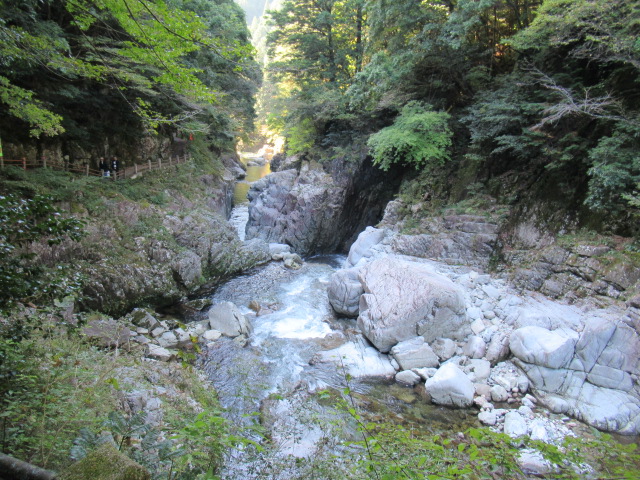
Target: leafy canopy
pixel 145 52
pixel 419 136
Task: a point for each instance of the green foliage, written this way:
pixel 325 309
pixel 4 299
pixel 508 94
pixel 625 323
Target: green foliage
pixel 135 65
pixel 52 385
pixel 419 136
pixel 22 222
pixel 598 30
pixel 499 122
pixel 615 170
pixel 301 137
pixel 22 105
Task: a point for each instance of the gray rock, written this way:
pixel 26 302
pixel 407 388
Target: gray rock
pixel 277 250
pixel 425 373
pixel 159 330
pixel 142 318
pixel 482 389
pixel 454 240
pixel 475 347
pixel 168 340
pixel 404 299
pixel 533 464
pixel 538 430
pixel 499 393
pixel 444 348
pixel 488 417
pixel 477 370
pixel 414 353
pixel 159 353
pixel 229 320
pixel 450 387
pixel 359 359
pixel 407 377
pixel 475 313
pixel 491 292
pixel 187 269
pixel 515 424
pixel 211 335
pixel 362 247
pixel 477 326
pixel 540 346
pixel 300 210
pixel 344 292
pixel 498 348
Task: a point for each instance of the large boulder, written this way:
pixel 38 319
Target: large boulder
pixel 552 349
pixel 358 359
pixel 406 299
pixel 450 387
pixel 344 292
pixel 229 320
pixel 414 353
pixel 590 376
pixel 363 248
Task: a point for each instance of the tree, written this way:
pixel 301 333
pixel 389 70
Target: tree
pixel 122 56
pixel 419 136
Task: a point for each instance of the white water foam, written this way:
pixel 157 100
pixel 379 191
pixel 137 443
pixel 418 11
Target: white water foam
pixel 239 218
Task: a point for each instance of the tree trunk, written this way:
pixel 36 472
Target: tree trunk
pixel 14 469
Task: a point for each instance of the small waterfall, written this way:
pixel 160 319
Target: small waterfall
pixel 239 218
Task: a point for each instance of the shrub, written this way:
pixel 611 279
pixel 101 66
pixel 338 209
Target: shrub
pixel 419 136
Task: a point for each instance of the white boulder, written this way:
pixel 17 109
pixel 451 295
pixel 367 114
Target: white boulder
pixel 451 387
pixel 414 353
pixel 404 299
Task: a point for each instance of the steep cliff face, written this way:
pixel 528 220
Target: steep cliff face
pixel 319 207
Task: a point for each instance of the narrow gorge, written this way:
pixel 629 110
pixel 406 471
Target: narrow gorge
pixel 319 239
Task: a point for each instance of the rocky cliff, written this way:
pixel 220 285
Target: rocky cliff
pixel 142 252
pixel 317 207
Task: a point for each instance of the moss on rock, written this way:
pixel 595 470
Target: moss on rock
pixel 105 463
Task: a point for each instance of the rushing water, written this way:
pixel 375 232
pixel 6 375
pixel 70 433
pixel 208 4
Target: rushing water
pixel 287 374
pixel 277 375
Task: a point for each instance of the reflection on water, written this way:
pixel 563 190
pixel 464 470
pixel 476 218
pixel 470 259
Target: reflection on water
pixel 254 173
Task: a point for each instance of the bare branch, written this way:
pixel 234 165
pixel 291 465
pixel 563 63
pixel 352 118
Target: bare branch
pixel 605 107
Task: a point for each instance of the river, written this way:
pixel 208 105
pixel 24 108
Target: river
pixel 280 379
pixel 256 168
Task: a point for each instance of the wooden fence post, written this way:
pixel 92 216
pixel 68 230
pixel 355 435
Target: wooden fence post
pixel 159 162
pixel 135 168
pixel 24 163
pixel 44 161
pixel 149 160
pixel 86 169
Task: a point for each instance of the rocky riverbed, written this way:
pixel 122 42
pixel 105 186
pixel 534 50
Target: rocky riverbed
pixel 474 339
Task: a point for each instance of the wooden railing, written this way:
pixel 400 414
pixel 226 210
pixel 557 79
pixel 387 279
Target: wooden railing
pixel 84 168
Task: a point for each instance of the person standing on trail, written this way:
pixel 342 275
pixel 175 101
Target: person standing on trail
pixel 115 166
pixel 104 167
